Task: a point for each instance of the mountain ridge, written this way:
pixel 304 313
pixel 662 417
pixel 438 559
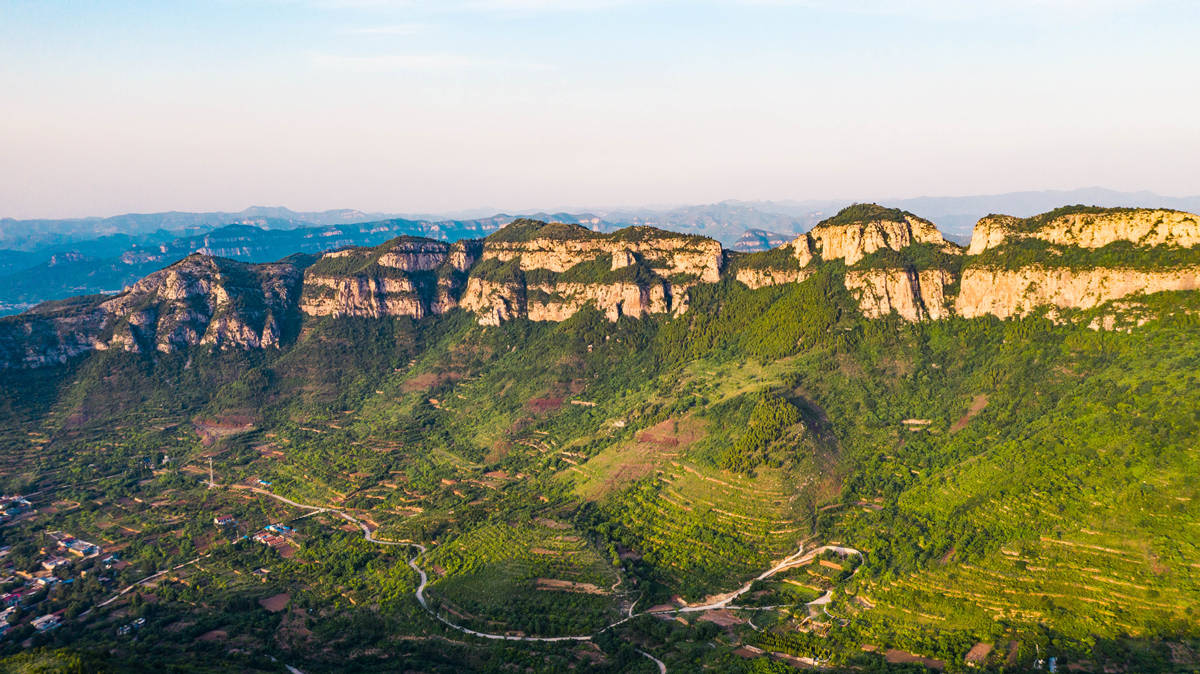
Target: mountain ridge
pixel 889 260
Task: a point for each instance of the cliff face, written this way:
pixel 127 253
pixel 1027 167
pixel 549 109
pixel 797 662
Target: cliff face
pixel 849 237
pixel 558 248
pixel 914 296
pixel 197 301
pixel 548 272
pixel 205 300
pixel 496 302
pixel 766 276
pixel 1091 228
pixel 993 285
pixel 1005 293
pixel 404 277
pixel 852 241
pixel 51 333
pixel 991 231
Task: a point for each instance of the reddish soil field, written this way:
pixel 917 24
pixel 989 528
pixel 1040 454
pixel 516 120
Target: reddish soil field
pixel 275 603
pixel 543 405
pixel 212 429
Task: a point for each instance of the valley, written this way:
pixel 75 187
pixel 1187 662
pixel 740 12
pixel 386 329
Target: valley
pixel 552 449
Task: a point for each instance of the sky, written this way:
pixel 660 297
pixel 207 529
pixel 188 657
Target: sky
pixel 422 106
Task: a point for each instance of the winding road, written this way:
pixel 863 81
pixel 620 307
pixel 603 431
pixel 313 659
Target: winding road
pixel 724 601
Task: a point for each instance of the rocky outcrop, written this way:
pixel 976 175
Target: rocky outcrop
pixel 863 229
pixel 364 296
pixel 1088 227
pixel 1016 292
pixel 560 301
pixel 767 276
pixel 991 231
pixel 407 276
pixel 51 334
pixel 205 301
pixel 802 249
pixel 199 301
pixel 549 272
pixel 849 237
pixel 914 296
pixel 558 247
pixel 495 302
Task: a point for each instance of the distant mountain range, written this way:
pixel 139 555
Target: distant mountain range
pixel 755 240
pixel 110 263
pixel 51 259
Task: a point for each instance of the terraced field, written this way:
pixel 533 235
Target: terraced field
pixel 696 522
pixel 508 577
pixel 1087 584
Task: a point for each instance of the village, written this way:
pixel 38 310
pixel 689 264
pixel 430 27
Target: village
pixel 35 575
pixel 63 560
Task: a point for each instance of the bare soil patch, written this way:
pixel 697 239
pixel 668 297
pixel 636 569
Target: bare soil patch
pixel 275 603
pixel 213 635
pixel 543 405
pixel 979 653
pixel 568 586
pixel 429 381
pixel 211 429
pixel 722 617
pixel 980 401
pixel 898 657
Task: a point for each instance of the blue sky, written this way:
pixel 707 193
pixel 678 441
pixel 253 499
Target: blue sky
pixel 422 105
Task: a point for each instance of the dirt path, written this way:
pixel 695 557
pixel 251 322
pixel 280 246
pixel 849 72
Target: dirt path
pixel 145 580
pixel 799 558
pixel 662 666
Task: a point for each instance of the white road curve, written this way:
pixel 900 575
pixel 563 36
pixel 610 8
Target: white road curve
pixel 799 558
pixel 147 579
pixel 662 666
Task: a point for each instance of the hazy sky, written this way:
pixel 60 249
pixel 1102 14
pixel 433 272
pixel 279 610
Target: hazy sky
pixel 428 105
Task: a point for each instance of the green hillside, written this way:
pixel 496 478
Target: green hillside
pixel 1027 485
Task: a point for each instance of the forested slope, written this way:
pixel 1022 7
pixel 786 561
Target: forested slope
pixel 1026 483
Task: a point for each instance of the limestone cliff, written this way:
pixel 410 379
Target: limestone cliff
pixel 205 300
pixel 407 276
pixel 755 278
pixel 991 231
pixel 549 271
pixel 862 229
pixel 495 302
pixel 1091 227
pixel 892 263
pixel 849 237
pixel 1016 292
pixel 558 247
pixel 913 295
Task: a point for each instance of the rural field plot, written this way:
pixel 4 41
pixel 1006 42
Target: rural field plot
pixel 708 527
pixel 516 577
pixel 1087 584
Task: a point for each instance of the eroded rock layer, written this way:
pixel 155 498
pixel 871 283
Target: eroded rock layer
pixel 891 263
